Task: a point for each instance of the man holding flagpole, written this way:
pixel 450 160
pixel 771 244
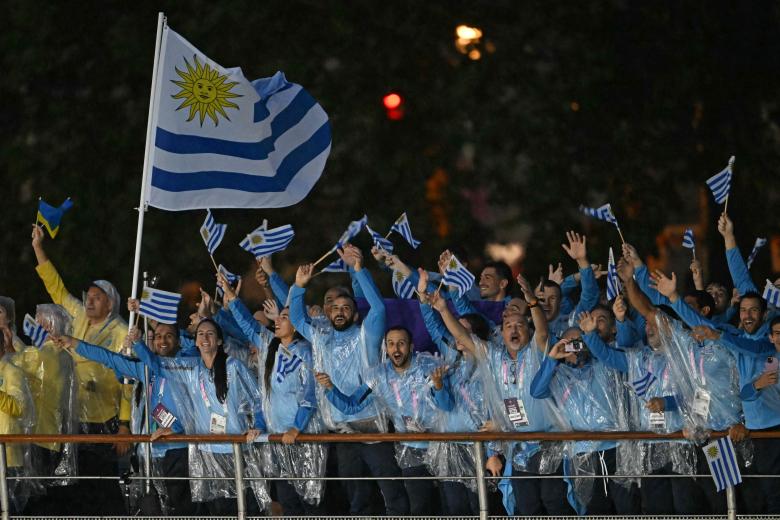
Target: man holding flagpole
pixel 104 403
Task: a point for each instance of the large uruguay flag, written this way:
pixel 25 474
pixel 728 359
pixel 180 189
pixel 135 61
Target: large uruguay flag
pixel 221 141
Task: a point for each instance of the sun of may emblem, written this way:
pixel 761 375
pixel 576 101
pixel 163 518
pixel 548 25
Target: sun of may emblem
pixel 204 91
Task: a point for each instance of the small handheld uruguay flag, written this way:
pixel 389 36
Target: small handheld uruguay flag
pixel 643 384
pixel 602 213
pixel 355 227
pixel 402 287
pixel 613 282
pixel 34 331
pixel 265 242
pixel 720 183
pixel 688 241
pixel 723 463
pixel 51 217
pixel 402 227
pixel 336 266
pixel 159 305
pixel 771 294
pixel 380 241
pixel 231 278
pixel 211 232
pixel 456 275
pixel 760 242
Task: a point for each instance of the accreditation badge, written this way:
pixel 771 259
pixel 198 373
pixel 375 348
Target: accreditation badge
pixel 701 403
pixel 411 425
pixel 657 420
pixel 162 416
pixel 515 410
pixel 218 424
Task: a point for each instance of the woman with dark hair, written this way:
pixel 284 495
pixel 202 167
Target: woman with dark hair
pixel 215 395
pixel 289 402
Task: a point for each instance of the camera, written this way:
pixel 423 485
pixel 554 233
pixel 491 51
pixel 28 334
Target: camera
pixel 576 345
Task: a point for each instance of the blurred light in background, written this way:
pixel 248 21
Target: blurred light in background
pixel 393 103
pixel 510 253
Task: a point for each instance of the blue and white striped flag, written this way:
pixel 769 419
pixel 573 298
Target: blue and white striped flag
pixel 380 241
pixel 760 242
pixel 34 331
pixel 602 213
pixel 643 384
pixel 771 294
pixel 231 278
pixel 355 227
pixel 723 463
pixel 265 242
pixel 286 365
pixel 402 287
pixel 336 266
pixel 211 232
pixel 221 141
pixel 613 282
pixel 402 227
pixel 159 305
pixel 720 183
pixel 456 275
pixel 688 240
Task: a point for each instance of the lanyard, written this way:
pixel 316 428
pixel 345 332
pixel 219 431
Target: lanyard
pixel 161 390
pixel 400 402
pixel 692 359
pixel 519 375
pixel 206 397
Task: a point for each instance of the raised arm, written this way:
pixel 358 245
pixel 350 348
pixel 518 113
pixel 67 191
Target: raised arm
pixel 541 330
pixel 611 357
pixel 578 251
pixel 298 316
pixel 636 298
pixel 739 271
pixel 51 278
pixel 454 327
pixel 376 319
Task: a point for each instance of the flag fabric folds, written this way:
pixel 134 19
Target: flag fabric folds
pixel 688 240
pixel 602 213
pixel 355 227
pixel 336 266
pixel 211 232
pixel 222 141
pixel 402 227
pixel 760 242
pixel 380 241
pixel 456 275
pixel 720 183
pixel 613 282
pixel 643 384
pixel 231 278
pixel 51 217
pixel 265 242
pixel 34 331
pixel 771 294
pixel 402 287
pixel 159 305
pixel 723 463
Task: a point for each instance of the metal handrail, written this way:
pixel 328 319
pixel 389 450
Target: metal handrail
pixel 477 438
pixel 374 437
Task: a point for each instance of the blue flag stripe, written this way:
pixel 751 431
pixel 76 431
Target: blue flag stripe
pixel 205 180
pixel 192 144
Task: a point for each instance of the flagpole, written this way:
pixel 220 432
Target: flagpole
pixel 621 234
pixel 142 205
pixel 323 257
pixel 726 207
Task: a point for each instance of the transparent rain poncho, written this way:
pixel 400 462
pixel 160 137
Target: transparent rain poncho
pixel 707 382
pixel 287 387
pixel 475 405
pixel 513 379
pixel 407 398
pixel 17 416
pixel 50 377
pixel 9 306
pixel 194 391
pixel 645 457
pixel 588 397
pixel 344 356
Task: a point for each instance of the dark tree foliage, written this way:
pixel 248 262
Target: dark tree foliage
pixel 635 103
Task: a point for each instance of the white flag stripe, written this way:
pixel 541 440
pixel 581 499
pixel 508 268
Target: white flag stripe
pixel 34 331
pixel 771 294
pixel 159 305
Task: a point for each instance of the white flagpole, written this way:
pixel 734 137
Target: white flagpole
pixel 144 177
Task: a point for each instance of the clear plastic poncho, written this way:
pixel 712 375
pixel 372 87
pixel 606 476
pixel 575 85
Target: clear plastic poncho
pixel 194 392
pixel 513 379
pixel 17 416
pixel 343 355
pixel 645 457
pixel 707 382
pixel 51 380
pixel 292 387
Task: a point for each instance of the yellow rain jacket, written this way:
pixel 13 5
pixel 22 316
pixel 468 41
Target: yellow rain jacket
pixel 16 409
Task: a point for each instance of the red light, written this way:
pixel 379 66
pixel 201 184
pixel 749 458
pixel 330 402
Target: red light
pixel 392 101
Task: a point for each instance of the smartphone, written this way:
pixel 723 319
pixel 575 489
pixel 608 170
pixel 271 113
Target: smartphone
pixel 771 364
pixel 574 346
